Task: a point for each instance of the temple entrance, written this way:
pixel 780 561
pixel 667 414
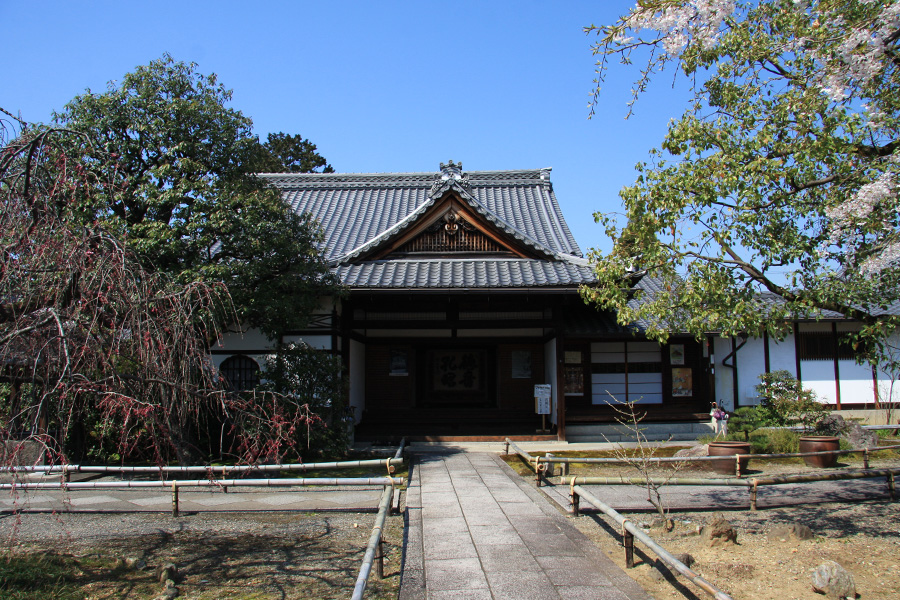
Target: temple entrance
pixel 458 378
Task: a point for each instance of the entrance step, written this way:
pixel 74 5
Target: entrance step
pixel 615 432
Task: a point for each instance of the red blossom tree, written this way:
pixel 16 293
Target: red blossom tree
pixel 88 336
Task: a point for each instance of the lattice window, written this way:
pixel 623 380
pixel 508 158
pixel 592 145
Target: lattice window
pixel 241 372
pixel 820 345
pixel 451 234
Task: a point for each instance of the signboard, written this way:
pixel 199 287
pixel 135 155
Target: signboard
pixel 542 398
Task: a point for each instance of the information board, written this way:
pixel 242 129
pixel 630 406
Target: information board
pixel 542 398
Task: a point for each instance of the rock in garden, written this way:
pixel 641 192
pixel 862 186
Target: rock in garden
pixel 686 559
pixel 660 570
pixel 138 564
pixel 719 531
pixel 169 593
pixel 796 531
pixel 861 438
pixel 834 581
pixel 851 431
pixel 698 450
pixel 167 571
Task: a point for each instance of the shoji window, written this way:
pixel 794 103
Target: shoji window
pixel 626 371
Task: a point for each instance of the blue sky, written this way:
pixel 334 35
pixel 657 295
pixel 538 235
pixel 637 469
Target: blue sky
pixel 378 86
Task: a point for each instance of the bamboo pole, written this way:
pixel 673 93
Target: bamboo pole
pixel 654 480
pixel 752 484
pixel 666 557
pixel 217 483
pixel 774 480
pixel 679 459
pixel 68 469
pixel 371 548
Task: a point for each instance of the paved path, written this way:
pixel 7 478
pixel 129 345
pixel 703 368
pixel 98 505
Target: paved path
pixel 476 531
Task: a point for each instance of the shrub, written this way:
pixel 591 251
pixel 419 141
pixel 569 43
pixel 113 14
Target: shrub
pixel 784 402
pixel 774 441
pixel 745 420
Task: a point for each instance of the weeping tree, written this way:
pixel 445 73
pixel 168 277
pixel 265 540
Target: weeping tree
pixel 779 182
pixel 90 335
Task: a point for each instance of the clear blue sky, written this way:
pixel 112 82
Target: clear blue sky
pixel 378 86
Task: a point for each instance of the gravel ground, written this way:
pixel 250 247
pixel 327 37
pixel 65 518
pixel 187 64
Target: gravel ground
pixel 236 555
pixel 863 537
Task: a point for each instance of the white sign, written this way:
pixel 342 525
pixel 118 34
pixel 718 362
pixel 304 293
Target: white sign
pixel 542 398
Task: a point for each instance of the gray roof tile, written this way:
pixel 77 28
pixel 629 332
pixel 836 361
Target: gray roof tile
pixel 356 209
pixel 464 273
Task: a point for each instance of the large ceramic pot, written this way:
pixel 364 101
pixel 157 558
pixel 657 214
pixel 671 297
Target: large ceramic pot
pixel 726 467
pixel 819 443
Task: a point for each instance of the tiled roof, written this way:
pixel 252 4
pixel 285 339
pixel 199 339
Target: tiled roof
pixel 771 299
pixel 464 273
pixel 359 210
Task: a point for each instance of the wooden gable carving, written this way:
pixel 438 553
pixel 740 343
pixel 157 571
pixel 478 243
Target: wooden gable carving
pixel 451 233
pixel 451 226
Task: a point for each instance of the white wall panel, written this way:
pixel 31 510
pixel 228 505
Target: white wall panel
pixel 857 386
pixel 818 375
pixel 319 342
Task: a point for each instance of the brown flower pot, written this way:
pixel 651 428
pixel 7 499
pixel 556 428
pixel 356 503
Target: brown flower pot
pixel 819 443
pixel 726 467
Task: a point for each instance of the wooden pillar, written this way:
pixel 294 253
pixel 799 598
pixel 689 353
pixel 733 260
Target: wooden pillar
pixel 837 368
pixel 560 387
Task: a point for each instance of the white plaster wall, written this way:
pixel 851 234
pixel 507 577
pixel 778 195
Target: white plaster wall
pixel 783 355
pixel 357 373
pixel 218 359
pixel 856 382
pixel 319 342
pixel 248 341
pixel 751 362
pixel 723 379
pixel 818 376
pixel 550 373
pixel 888 384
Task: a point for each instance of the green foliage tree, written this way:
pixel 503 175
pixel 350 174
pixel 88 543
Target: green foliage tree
pixel 184 193
pixel 306 381
pixel 775 194
pixel 283 153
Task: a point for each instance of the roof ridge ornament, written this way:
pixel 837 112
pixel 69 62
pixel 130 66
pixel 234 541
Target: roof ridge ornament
pixel 451 175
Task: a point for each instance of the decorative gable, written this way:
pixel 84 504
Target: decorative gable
pixel 451 226
pixel 451 233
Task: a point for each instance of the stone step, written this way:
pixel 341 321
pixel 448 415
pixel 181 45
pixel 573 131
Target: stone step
pixel 613 432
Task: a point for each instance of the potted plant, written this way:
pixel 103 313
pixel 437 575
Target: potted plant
pixel 784 402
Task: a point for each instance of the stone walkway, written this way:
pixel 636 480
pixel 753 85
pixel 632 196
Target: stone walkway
pixel 477 532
